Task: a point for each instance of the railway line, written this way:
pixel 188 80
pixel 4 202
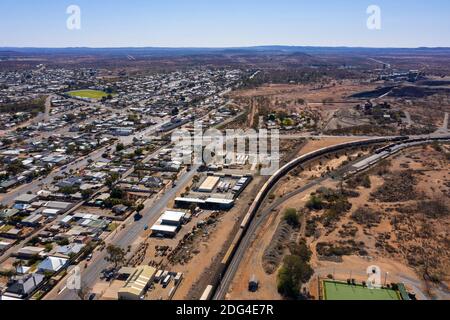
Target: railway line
pixel 237 249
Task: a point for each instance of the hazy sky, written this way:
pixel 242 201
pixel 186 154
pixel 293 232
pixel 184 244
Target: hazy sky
pixel 224 23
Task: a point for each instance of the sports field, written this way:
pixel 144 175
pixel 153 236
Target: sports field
pixel 343 291
pixel 91 94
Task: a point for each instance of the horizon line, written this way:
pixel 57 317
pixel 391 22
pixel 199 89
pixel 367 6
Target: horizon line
pixel 226 47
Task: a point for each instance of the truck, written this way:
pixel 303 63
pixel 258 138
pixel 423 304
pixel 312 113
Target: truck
pixel 166 281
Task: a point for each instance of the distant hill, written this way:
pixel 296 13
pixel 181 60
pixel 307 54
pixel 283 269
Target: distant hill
pixel 155 51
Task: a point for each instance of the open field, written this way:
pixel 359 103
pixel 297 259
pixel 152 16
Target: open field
pixel 386 223
pixel 91 94
pixel 392 223
pixel 342 291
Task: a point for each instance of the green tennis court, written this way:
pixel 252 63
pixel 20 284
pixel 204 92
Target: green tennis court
pixel 343 291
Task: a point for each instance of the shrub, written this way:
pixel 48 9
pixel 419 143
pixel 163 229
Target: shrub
pixel 366 216
pixel 315 203
pixel 291 217
pixel 292 275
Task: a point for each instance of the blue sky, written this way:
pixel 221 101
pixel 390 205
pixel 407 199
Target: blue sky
pixel 224 23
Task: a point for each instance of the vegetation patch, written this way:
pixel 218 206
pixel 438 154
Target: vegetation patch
pixel 341 248
pixel 295 271
pixel 434 208
pixel 362 180
pixel 367 217
pixel 398 187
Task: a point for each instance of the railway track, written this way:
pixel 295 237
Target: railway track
pixel 249 225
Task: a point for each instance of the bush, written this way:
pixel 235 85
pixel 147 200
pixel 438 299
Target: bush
pixel 301 250
pixel 291 217
pixel 86 194
pixel 315 203
pixel 63 242
pixel 435 208
pixel 120 147
pixel 292 275
pixel 366 216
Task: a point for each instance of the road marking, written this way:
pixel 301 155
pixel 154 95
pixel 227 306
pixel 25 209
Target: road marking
pixel 62 290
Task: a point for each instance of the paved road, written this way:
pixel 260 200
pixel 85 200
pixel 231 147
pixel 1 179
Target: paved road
pixel 127 236
pixel 251 232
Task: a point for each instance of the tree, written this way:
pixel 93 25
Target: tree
pixel 18 264
pixel 301 250
pixel 63 242
pixel 120 147
pixel 292 275
pixel 117 194
pixel 109 90
pixel 87 193
pixel 138 152
pixel 15 167
pixel 314 203
pixel 116 255
pixel 112 179
pixel 48 247
pixel 140 208
pixel 68 190
pixel 291 217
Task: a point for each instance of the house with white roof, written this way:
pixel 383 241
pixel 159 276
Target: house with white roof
pixel 52 264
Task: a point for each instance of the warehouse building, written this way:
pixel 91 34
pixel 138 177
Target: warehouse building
pixel 137 283
pixel 173 218
pixel 26 199
pixel 168 224
pixel 160 230
pixel 209 184
pixel 208 204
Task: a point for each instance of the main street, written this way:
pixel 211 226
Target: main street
pixel 123 239
pixel 129 234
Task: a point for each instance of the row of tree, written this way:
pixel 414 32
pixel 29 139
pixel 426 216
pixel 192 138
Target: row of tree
pixel 296 270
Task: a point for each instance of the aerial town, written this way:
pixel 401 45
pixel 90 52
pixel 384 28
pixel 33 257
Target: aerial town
pixel 98 202
pixel 266 173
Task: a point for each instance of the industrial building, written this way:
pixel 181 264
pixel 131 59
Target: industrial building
pixel 173 218
pixel 137 283
pixel 208 204
pixel 168 224
pixel 209 184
